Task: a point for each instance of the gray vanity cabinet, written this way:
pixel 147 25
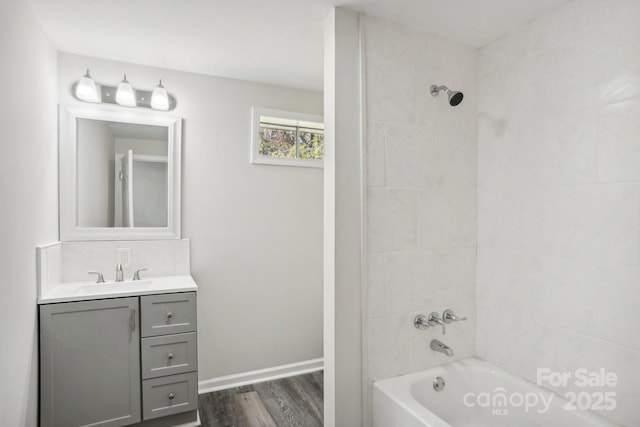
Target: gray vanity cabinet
pixel 90 363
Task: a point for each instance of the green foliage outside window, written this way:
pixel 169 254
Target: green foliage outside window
pixel 291 142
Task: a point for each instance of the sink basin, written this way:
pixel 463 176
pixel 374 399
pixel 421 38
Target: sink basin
pixel 115 287
pixel 83 291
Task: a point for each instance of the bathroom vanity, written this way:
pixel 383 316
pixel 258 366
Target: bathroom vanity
pixel 118 352
pixel 117 358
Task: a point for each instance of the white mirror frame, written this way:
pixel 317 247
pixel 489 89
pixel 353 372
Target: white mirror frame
pixel 69 231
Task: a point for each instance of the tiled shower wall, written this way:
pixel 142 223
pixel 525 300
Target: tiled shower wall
pixel 559 197
pixel 421 196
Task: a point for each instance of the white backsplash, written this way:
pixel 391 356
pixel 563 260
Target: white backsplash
pixel 63 262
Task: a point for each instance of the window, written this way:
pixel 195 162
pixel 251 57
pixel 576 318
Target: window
pixel 286 138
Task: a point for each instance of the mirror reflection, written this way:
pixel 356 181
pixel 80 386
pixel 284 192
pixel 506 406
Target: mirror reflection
pixel 122 174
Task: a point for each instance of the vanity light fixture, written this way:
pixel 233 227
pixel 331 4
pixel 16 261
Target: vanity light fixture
pixel 86 89
pixel 160 98
pixel 125 95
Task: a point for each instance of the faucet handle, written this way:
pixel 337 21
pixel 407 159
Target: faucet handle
pixel 100 278
pixel 136 275
pixel 434 319
pixel 449 316
pixel 420 322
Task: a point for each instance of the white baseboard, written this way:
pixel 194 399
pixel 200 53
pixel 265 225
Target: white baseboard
pixel 251 377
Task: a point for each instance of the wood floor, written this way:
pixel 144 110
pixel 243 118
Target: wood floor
pixel 288 402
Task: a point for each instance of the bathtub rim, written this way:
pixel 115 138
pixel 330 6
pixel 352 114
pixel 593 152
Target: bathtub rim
pixel 399 390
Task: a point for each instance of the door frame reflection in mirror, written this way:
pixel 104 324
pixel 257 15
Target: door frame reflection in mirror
pixel 68 188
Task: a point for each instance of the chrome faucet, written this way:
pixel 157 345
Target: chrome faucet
pixel 100 277
pixel 136 275
pixel 449 316
pixel 423 322
pixel 434 320
pixel 441 347
pixel 119 274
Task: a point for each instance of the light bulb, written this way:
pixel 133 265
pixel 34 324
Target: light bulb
pixel 86 89
pixel 125 95
pixel 160 98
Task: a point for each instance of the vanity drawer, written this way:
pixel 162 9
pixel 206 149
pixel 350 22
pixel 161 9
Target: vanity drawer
pixel 168 314
pixel 168 355
pixel 169 395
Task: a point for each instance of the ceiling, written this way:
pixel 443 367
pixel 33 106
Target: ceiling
pixel 270 41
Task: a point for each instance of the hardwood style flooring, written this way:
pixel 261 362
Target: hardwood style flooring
pixel 288 402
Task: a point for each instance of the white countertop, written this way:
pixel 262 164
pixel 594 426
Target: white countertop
pixel 82 291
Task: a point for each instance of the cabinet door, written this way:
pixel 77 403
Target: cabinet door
pixel 90 363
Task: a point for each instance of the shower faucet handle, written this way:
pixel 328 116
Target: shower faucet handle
pixel 449 316
pixel 423 322
pixel 420 322
pixel 434 320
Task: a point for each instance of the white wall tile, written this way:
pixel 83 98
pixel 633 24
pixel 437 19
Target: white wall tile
pixel 455 276
pixel 407 45
pixel 452 56
pixel 388 352
pixel 375 155
pixel 421 205
pixel 405 149
pixel 558 196
pixel 391 93
pixel 618 148
pixel 376 276
pixel 606 225
pixel 374 35
pixel 504 52
pixel 447 219
pixel 409 282
pixel 391 220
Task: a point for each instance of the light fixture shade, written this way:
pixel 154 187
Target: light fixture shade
pixel 160 98
pixel 125 95
pixel 86 89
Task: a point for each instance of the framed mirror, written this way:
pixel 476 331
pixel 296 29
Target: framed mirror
pixel 119 174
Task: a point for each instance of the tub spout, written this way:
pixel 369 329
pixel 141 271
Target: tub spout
pixel 441 347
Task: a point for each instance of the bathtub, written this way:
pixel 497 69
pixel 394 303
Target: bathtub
pixel 475 394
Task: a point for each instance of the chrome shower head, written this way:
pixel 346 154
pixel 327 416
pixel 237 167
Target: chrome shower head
pixel 455 97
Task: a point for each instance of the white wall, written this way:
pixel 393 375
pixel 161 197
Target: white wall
pixel 343 221
pixel 29 193
pixel 421 188
pixel 255 230
pixel 559 191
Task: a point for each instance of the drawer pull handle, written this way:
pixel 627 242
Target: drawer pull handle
pixel 169 315
pixel 170 356
pixel 171 396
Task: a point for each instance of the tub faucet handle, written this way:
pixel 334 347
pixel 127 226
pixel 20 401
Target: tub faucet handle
pixel 449 316
pixel 420 322
pixel 100 278
pixel 434 319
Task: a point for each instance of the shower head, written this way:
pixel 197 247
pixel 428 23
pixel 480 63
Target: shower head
pixel 455 97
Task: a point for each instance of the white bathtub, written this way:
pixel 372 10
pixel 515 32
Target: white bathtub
pixel 476 394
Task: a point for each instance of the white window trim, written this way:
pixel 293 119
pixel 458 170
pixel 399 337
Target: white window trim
pixel 256 158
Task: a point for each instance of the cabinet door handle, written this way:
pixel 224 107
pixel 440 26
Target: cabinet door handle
pixel 170 356
pixel 169 315
pixel 132 319
pixel 171 396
